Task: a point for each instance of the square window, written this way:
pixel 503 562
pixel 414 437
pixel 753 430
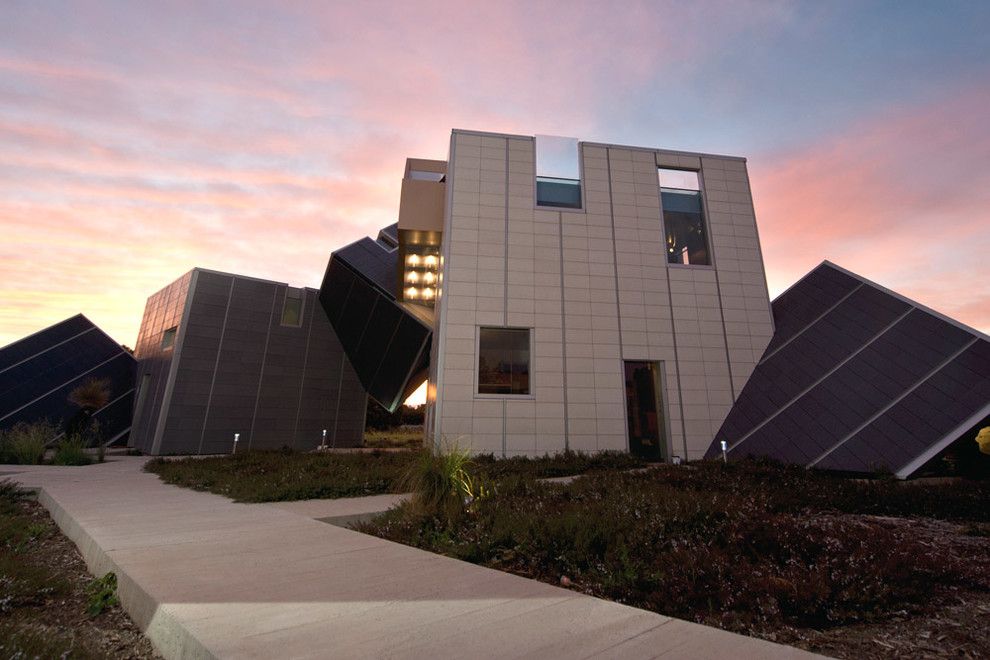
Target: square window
pixel 168 338
pixel 683 218
pixel 292 311
pixel 503 361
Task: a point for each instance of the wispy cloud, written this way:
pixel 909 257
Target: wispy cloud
pixel 902 198
pixel 139 142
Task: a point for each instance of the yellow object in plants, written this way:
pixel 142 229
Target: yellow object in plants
pixel 983 440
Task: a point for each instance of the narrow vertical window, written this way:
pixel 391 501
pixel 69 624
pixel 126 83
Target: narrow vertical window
pixel 503 361
pixel 558 172
pixel 683 219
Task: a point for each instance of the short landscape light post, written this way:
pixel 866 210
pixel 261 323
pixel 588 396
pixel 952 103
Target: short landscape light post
pixel 725 448
pixel 323 443
pixel 237 436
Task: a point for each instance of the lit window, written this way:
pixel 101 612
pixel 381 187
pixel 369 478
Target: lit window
pixel 683 219
pixel 168 338
pixel 292 311
pixel 503 361
pixel 558 172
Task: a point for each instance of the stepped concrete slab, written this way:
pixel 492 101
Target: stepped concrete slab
pixel 206 577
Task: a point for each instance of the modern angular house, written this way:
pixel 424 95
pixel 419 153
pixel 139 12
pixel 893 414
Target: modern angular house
pixel 575 295
pixel 555 295
pixel 858 378
pixel 39 372
pixel 221 354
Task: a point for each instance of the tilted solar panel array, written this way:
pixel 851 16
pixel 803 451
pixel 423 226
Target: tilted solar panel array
pixel 38 373
pixel 388 346
pixel 857 379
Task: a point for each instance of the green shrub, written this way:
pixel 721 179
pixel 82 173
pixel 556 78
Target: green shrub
pixel 71 450
pixel 102 594
pixel 24 444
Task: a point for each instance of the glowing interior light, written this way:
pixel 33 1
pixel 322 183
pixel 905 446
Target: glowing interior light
pixel 428 293
pixel 412 292
pixel 431 261
pixel 413 260
pixel 412 276
pixel 429 277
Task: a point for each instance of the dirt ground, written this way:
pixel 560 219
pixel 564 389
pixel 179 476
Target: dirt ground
pixel 959 628
pixel 48 623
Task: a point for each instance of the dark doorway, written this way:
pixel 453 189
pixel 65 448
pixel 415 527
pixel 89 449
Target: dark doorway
pixel 644 411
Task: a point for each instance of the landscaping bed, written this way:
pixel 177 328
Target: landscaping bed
pixel 847 568
pixel 50 607
pixel 273 476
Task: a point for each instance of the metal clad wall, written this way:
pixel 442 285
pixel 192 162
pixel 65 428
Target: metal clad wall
pixel 241 371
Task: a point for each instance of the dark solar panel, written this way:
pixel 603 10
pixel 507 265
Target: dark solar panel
pixel 42 370
pixel 43 340
pixel 806 300
pixel 874 383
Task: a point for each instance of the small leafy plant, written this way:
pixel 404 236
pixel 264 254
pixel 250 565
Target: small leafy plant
pixel 102 594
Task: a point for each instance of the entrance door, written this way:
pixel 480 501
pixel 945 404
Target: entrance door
pixel 645 411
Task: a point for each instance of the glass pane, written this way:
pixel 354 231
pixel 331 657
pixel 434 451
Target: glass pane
pixel 168 338
pixel 420 175
pixel 503 361
pixel 292 311
pixel 685 228
pixel 563 193
pixel 680 179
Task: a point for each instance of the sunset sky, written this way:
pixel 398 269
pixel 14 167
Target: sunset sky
pixel 137 142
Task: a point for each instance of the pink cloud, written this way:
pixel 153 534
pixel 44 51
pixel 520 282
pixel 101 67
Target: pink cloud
pixel 902 198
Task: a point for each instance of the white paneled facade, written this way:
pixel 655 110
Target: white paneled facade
pixel 594 287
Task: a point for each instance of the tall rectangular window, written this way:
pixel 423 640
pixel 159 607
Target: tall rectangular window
pixel 558 172
pixel 503 361
pixel 292 311
pixel 683 219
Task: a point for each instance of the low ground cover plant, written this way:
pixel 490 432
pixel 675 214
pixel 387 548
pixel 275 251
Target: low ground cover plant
pixel 752 547
pixel 49 606
pixel 272 476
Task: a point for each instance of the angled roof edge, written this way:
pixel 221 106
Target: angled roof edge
pixel 46 328
pixel 902 298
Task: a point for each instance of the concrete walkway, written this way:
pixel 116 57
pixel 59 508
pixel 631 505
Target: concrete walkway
pixel 205 577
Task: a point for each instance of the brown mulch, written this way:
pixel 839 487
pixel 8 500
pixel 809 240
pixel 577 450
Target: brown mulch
pixel 110 634
pixel 956 626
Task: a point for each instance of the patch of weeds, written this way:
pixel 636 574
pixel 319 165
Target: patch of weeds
pixel 102 594
pixel 24 444
pixel 746 546
pixel 71 451
pixel 977 529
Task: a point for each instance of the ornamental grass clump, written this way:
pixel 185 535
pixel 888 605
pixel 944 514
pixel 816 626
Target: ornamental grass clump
pixel 24 444
pixel 443 484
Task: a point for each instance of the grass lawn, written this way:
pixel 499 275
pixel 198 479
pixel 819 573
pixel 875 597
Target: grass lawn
pixel 272 476
pixel 843 567
pixel 45 592
pixel 393 438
